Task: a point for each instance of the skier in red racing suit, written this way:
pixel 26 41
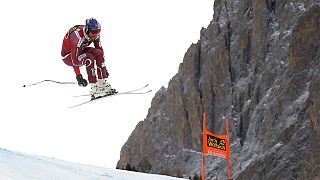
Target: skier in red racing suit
pixel 75 52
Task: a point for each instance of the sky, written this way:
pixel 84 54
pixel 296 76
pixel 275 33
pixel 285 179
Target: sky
pixel 144 42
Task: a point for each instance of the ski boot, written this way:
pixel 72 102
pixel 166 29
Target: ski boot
pixel 102 83
pixel 96 91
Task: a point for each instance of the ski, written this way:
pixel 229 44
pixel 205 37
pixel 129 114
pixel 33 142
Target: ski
pixel 134 90
pixel 112 95
pixel 48 80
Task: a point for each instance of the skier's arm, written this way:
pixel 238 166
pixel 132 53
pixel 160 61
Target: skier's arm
pixel 76 65
pixel 97 43
pixel 76 70
pixel 75 47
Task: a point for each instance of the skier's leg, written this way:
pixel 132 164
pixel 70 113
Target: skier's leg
pixel 67 60
pixel 88 61
pixel 101 67
pixel 101 70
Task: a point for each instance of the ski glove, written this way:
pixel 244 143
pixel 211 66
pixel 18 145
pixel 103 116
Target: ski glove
pixel 81 82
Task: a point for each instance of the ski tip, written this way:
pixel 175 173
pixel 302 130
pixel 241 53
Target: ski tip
pixel 71 107
pixel 82 95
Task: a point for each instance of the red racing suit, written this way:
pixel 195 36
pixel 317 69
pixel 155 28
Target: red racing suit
pixel 75 52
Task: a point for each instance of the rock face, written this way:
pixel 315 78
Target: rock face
pixel 258 62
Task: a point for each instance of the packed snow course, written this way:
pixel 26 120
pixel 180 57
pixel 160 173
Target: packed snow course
pixel 20 166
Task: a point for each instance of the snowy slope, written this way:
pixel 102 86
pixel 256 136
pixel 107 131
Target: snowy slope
pixel 19 166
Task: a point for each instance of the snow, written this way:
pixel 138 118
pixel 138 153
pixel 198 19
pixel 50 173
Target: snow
pixel 19 166
pixel 298 6
pixel 192 151
pixel 276 147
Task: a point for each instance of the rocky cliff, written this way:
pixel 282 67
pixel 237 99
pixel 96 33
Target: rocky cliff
pixel 258 62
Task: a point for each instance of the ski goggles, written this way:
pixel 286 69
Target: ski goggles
pixel 94 31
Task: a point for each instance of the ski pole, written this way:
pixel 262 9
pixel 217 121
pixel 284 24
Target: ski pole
pixel 48 81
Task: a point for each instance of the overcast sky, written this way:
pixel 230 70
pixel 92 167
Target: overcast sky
pixel 144 41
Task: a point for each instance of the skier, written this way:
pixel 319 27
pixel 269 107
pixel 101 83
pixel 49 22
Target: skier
pixel 75 52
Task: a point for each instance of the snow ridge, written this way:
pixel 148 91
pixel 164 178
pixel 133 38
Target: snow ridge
pixel 19 166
